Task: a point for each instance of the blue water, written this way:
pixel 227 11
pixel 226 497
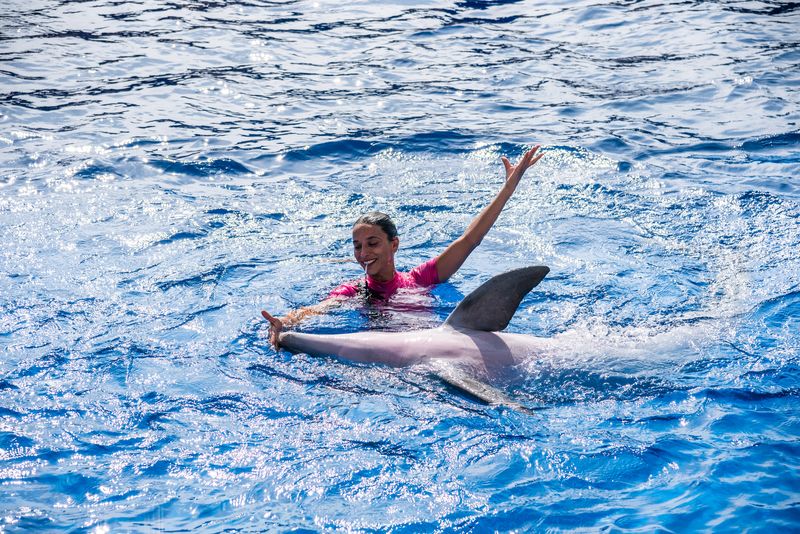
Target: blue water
pixel 167 170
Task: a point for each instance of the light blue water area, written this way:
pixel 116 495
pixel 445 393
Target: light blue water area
pixel 167 170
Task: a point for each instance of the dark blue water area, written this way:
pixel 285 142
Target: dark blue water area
pixel 168 170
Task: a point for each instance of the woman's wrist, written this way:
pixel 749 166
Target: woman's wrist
pixel 504 195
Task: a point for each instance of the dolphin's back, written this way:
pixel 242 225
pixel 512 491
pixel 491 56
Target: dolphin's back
pixel 491 307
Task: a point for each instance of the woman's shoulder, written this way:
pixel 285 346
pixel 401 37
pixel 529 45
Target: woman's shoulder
pixel 347 289
pixel 425 274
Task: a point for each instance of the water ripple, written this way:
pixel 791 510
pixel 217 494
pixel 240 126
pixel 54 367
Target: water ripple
pixel 166 171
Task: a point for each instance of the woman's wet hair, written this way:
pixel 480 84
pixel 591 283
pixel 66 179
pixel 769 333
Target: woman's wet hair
pixel 376 218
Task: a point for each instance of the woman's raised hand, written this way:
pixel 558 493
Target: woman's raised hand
pixel 275 327
pixel 514 172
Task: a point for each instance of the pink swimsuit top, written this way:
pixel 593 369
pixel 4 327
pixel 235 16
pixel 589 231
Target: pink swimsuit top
pixel 420 276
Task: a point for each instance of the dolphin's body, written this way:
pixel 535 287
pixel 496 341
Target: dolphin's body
pixel 470 338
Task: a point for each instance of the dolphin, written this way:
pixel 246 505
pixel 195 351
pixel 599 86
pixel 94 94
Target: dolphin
pixel 467 349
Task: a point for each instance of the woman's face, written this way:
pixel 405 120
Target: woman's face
pixel 374 251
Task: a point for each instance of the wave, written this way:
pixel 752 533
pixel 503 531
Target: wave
pixel 201 169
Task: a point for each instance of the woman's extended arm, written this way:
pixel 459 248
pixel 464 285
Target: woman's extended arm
pixel 295 316
pixel 454 255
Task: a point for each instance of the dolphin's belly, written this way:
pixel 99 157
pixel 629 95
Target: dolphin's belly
pixel 438 344
pixel 487 353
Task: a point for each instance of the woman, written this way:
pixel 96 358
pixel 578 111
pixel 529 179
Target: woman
pixel 375 243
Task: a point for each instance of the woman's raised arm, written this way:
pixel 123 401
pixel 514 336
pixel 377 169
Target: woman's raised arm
pixel 457 252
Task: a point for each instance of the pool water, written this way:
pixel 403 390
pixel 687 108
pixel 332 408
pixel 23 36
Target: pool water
pixel 167 170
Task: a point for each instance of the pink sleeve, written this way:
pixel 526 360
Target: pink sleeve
pixel 347 289
pixel 426 274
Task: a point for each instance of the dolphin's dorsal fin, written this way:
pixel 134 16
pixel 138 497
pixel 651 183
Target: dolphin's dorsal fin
pixel 491 307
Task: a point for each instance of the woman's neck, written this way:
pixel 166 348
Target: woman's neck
pixel 385 275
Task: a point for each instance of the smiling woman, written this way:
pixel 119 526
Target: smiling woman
pixel 375 243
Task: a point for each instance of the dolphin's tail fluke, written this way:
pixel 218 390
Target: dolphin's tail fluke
pixel 491 307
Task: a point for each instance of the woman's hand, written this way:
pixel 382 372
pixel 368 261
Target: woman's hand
pixel 514 172
pixel 275 327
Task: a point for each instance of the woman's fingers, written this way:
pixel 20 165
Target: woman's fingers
pixel 274 321
pixel 529 155
pixel 275 327
pixel 528 160
pixel 532 152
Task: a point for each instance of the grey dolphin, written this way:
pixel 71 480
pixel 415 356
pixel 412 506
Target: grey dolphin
pixel 467 347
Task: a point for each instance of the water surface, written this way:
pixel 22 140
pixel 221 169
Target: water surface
pixel 168 170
